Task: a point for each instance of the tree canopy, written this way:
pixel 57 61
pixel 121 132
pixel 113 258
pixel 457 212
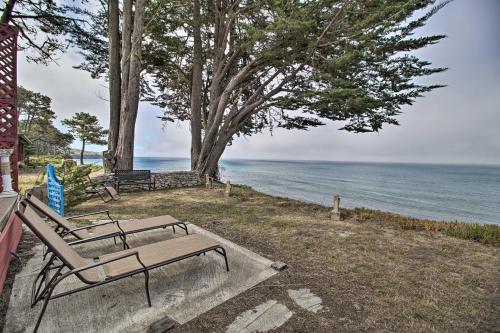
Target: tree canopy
pixel 256 65
pixel 36 121
pixel 85 127
pixel 46 27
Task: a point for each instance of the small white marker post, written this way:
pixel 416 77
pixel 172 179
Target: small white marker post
pixel 208 181
pixel 336 207
pixel 227 193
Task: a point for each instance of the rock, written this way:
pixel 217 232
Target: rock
pixel 306 299
pixel 264 317
pixel 165 324
pixel 345 234
pixel 279 265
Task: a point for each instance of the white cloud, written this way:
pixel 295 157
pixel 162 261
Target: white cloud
pixel 456 124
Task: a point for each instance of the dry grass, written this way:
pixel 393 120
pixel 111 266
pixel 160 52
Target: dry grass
pixel 371 276
pixel 486 234
pixel 29 178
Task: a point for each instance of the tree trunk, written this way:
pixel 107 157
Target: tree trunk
pixel 81 152
pixel 7 11
pixel 209 163
pixel 128 113
pixel 114 82
pixel 196 87
pixel 126 47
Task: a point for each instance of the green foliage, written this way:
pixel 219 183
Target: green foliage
pixel 34 110
pixel 360 70
pixel 29 150
pixel 482 233
pixel 86 127
pixel 74 178
pixel 36 121
pixel 93 46
pixel 46 28
pixel 42 161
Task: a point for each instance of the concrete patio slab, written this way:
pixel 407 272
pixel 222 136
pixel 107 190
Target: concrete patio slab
pixel 180 291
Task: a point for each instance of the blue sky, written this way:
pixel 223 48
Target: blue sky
pixel 456 124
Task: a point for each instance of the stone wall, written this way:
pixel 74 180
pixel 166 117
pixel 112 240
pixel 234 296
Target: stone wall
pixel 177 179
pixel 164 180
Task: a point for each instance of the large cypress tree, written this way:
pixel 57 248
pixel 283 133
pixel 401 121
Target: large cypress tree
pixel 46 27
pixel 290 64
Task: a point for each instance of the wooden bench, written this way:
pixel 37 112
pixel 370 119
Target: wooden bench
pixel 133 178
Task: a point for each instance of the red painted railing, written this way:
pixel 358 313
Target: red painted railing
pixel 8 97
pixel 12 230
pixel 9 238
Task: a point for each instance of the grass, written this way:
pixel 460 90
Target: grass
pixel 29 178
pixel 486 234
pixel 374 271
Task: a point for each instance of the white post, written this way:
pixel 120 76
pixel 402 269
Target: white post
pixel 227 193
pixel 8 191
pixel 208 181
pixel 336 208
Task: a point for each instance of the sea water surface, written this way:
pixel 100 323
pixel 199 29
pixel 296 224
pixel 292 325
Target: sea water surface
pixel 440 192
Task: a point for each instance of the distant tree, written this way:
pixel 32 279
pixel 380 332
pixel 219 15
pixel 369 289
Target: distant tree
pixel 29 150
pixel 86 127
pixel 34 109
pixel 36 121
pixel 41 24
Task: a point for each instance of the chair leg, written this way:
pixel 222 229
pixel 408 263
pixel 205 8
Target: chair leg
pixel 185 228
pixel 45 253
pixel 146 275
pixel 45 303
pixel 124 241
pixel 225 258
pixel 44 307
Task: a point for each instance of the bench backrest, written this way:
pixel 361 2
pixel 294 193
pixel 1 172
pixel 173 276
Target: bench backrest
pixel 133 174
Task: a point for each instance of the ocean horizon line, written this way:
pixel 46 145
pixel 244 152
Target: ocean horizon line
pixel 328 161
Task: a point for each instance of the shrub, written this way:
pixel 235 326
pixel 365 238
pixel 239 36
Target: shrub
pixel 42 161
pixel 74 178
pixel 482 233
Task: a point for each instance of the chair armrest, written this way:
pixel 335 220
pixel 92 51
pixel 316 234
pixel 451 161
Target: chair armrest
pixel 90 226
pixel 100 263
pixel 91 239
pixel 89 214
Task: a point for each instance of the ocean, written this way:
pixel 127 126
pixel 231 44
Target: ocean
pixel 440 192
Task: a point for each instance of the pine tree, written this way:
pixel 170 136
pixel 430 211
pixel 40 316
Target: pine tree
pixel 86 127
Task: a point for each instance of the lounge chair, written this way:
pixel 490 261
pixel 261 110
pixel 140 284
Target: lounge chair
pixel 115 266
pixel 110 229
pixel 103 189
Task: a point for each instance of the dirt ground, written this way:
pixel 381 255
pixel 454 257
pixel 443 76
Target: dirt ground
pixel 372 276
